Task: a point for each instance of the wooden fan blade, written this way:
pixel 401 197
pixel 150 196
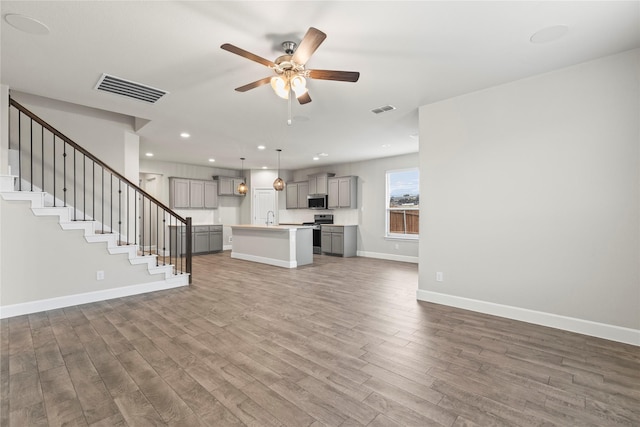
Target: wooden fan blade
pixel 245 54
pixel 253 85
pixel 342 76
pixel 308 45
pixel 304 98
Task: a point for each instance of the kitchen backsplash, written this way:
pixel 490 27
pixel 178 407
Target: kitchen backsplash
pixel 340 216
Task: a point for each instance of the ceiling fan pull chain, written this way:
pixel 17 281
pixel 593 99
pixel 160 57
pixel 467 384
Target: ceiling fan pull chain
pixel 289 102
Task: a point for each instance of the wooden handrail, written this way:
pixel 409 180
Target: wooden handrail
pixel 69 141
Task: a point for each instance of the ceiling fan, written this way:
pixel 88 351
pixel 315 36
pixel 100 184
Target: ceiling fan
pixel 290 69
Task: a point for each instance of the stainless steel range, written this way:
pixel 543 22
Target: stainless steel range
pixel 318 220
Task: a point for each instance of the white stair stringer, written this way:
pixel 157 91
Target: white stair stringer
pixel 37 200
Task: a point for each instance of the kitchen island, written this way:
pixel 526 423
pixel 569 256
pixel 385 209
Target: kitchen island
pixel 287 246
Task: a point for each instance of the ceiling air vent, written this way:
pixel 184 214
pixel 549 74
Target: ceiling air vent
pixel 113 84
pixel 383 109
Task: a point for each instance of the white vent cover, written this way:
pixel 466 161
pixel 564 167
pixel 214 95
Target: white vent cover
pixel 383 109
pixel 113 84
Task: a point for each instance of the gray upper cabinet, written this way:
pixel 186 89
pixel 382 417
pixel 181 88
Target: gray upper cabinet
pixel 318 183
pixel 192 194
pixel 297 193
pixel 178 193
pixel 343 192
pixel 210 194
pixel 228 185
pixel 303 192
pixel 292 195
pixel 196 194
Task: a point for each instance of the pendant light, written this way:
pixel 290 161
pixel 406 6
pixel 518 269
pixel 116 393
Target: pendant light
pixel 242 187
pixel 279 184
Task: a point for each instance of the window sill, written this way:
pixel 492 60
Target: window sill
pixel 406 238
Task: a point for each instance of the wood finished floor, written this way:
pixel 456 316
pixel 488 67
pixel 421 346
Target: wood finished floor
pixel 340 343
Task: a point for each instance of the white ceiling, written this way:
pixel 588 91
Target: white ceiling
pixel 408 54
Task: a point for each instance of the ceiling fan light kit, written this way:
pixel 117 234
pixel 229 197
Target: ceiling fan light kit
pixel 290 69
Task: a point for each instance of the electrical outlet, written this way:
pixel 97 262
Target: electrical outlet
pixel 99 275
pixel 439 276
pixel 397 246
pixel 230 239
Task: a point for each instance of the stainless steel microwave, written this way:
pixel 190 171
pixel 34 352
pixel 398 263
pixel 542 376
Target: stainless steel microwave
pixel 317 201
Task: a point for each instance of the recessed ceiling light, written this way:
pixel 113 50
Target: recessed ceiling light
pixel 322 154
pixel 316 158
pixel 26 24
pixel 148 154
pixel 212 160
pixel 185 135
pixel 264 167
pixel 261 147
pixel 386 145
pixel 549 34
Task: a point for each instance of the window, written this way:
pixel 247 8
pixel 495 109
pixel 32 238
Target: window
pixel 403 204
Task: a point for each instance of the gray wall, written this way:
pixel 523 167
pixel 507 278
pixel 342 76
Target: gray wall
pixel 370 214
pixel 108 136
pixel 531 193
pixel 42 261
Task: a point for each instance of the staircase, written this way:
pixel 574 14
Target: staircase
pixel 61 180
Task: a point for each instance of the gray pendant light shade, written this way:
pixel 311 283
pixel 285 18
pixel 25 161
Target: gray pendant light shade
pixel 279 184
pixel 242 187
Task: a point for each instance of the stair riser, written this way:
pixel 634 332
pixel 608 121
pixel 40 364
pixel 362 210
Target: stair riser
pixel 64 215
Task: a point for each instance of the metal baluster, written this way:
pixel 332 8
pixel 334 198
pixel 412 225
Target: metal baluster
pixel 75 200
pixel 42 149
pixel 31 152
pixel 164 237
pixel 150 224
pixel 19 151
pixel 119 210
pixel 157 237
pixel 135 216
pixel 64 172
pixel 110 202
pixel 142 223
pixel 93 189
pixel 102 198
pixel 54 170
pixel 84 187
pixel 128 217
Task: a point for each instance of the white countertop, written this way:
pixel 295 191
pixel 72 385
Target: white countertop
pixel 270 227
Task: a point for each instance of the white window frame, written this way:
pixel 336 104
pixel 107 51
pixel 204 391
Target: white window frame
pixel 387 233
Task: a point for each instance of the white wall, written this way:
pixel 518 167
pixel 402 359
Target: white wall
pixel 531 196
pixel 370 214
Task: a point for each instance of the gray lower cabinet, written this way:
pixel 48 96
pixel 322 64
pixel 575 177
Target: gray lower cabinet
pixel 204 239
pixel 339 240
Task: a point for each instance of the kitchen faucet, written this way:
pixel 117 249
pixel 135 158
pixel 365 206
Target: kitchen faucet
pixel 274 217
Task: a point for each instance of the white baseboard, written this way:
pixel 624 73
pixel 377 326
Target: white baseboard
pixel 390 257
pixel 77 299
pixel 264 260
pixel 227 247
pixel 586 327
